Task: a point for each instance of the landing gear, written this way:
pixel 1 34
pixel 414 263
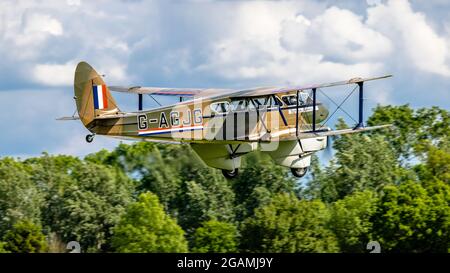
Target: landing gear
pixel 90 138
pixel 230 174
pixel 299 172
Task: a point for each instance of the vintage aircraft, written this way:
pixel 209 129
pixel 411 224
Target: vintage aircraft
pixel 220 125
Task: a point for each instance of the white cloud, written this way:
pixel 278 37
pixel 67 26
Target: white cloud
pixel 373 2
pixel 337 33
pixel 54 74
pixel 279 44
pixel 213 44
pixel 115 73
pixel 290 48
pixel 74 2
pixel 42 23
pixel 415 39
pixel 63 74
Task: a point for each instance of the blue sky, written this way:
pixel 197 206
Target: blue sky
pixel 226 44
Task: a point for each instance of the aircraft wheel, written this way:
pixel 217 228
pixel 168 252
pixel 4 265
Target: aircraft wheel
pixel 230 174
pixel 89 138
pixel 299 172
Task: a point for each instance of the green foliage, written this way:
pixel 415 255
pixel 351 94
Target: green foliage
pixel 389 185
pixel 2 248
pixel 351 220
pixel 187 188
pixel 24 237
pixel 145 227
pixel 143 161
pixel 161 180
pixel 83 201
pixel 414 218
pixel 20 198
pixel 258 182
pixel 207 196
pixel 436 166
pixel 361 162
pixel 413 131
pixel 215 237
pixel 287 224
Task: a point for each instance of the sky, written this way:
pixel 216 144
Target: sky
pixel 216 44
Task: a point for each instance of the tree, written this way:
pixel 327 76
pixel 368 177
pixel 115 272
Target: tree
pixel 208 196
pixel 188 189
pixel 20 198
pixel 161 179
pixel 414 218
pixel 361 162
pixel 145 227
pixel 413 130
pixel 25 237
pixel 258 182
pixel 436 165
pixel 287 224
pixel 215 237
pixel 2 248
pixel 132 159
pixel 144 162
pixel 160 168
pixel 83 200
pixel 351 220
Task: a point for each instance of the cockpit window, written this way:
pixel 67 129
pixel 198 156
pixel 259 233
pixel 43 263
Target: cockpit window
pixel 220 107
pixel 291 99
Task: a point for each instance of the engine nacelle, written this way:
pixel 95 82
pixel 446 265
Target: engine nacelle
pixel 289 153
pixel 220 156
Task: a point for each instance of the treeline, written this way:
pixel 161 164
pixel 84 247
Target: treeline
pixel 390 186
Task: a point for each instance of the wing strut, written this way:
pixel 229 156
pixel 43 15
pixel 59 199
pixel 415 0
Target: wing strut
pixel 296 116
pixel 361 105
pixel 314 109
pixel 140 102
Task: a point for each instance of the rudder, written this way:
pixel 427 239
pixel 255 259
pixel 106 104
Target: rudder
pixel 92 95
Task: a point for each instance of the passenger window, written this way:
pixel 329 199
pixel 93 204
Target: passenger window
pixel 239 105
pixel 302 99
pixel 260 101
pixel 250 105
pixel 278 101
pixel 268 102
pixel 289 100
pixel 272 102
pixel 220 107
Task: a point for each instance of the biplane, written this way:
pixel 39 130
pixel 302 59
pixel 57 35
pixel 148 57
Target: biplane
pixel 220 125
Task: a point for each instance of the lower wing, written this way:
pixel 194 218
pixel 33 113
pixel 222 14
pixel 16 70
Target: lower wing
pixel 291 133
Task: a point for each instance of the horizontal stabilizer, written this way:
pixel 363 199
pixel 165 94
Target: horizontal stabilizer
pixel 69 118
pixel 114 116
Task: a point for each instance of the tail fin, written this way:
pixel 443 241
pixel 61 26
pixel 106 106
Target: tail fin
pixel 92 95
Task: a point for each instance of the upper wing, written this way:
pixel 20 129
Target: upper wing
pixel 274 90
pixel 223 93
pixel 183 92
